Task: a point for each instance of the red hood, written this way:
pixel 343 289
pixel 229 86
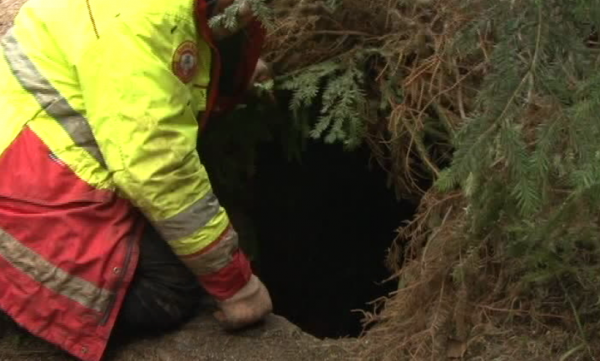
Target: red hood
pixel 251 50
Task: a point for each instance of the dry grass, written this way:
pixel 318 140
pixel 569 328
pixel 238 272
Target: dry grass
pixel 414 42
pixel 456 299
pixel 459 299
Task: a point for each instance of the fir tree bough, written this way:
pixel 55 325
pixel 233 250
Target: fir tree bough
pixel 497 102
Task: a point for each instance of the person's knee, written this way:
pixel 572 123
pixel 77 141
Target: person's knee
pixel 164 293
pixel 151 308
pixel 177 302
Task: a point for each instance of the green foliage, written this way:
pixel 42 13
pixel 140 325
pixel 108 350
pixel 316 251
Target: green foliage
pixel 337 87
pixel 228 19
pixel 527 157
pixel 524 148
pixel 514 88
pixel 516 92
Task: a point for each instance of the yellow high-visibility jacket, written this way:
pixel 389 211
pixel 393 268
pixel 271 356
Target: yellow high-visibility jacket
pixel 100 106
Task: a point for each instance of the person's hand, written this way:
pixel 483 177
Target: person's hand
pixel 250 305
pixel 257 85
pixel 262 73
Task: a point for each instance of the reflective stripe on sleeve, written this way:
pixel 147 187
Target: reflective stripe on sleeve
pixel 216 257
pixel 48 97
pixel 191 220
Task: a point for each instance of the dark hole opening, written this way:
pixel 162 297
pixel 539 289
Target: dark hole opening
pixel 324 226
pixel 318 229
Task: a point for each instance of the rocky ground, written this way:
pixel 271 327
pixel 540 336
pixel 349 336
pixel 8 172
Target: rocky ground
pixel 200 340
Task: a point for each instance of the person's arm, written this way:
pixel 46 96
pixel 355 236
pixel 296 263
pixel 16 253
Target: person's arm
pixel 143 117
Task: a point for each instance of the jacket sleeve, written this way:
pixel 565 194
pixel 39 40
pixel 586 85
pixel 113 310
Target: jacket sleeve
pixel 143 117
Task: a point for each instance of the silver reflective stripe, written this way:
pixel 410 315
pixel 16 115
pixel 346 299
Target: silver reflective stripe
pixel 217 257
pixel 190 220
pixel 48 97
pixel 52 277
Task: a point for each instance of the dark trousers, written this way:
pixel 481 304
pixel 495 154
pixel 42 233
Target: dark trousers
pixel 163 295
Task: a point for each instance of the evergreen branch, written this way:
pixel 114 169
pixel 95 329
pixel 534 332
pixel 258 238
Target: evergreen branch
pixel 229 18
pixel 471 148
pixel 538 39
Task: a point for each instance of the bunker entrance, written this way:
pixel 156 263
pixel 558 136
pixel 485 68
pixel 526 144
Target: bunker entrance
pixel 323 227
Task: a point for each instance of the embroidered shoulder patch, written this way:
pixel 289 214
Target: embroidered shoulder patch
pixel 185 61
